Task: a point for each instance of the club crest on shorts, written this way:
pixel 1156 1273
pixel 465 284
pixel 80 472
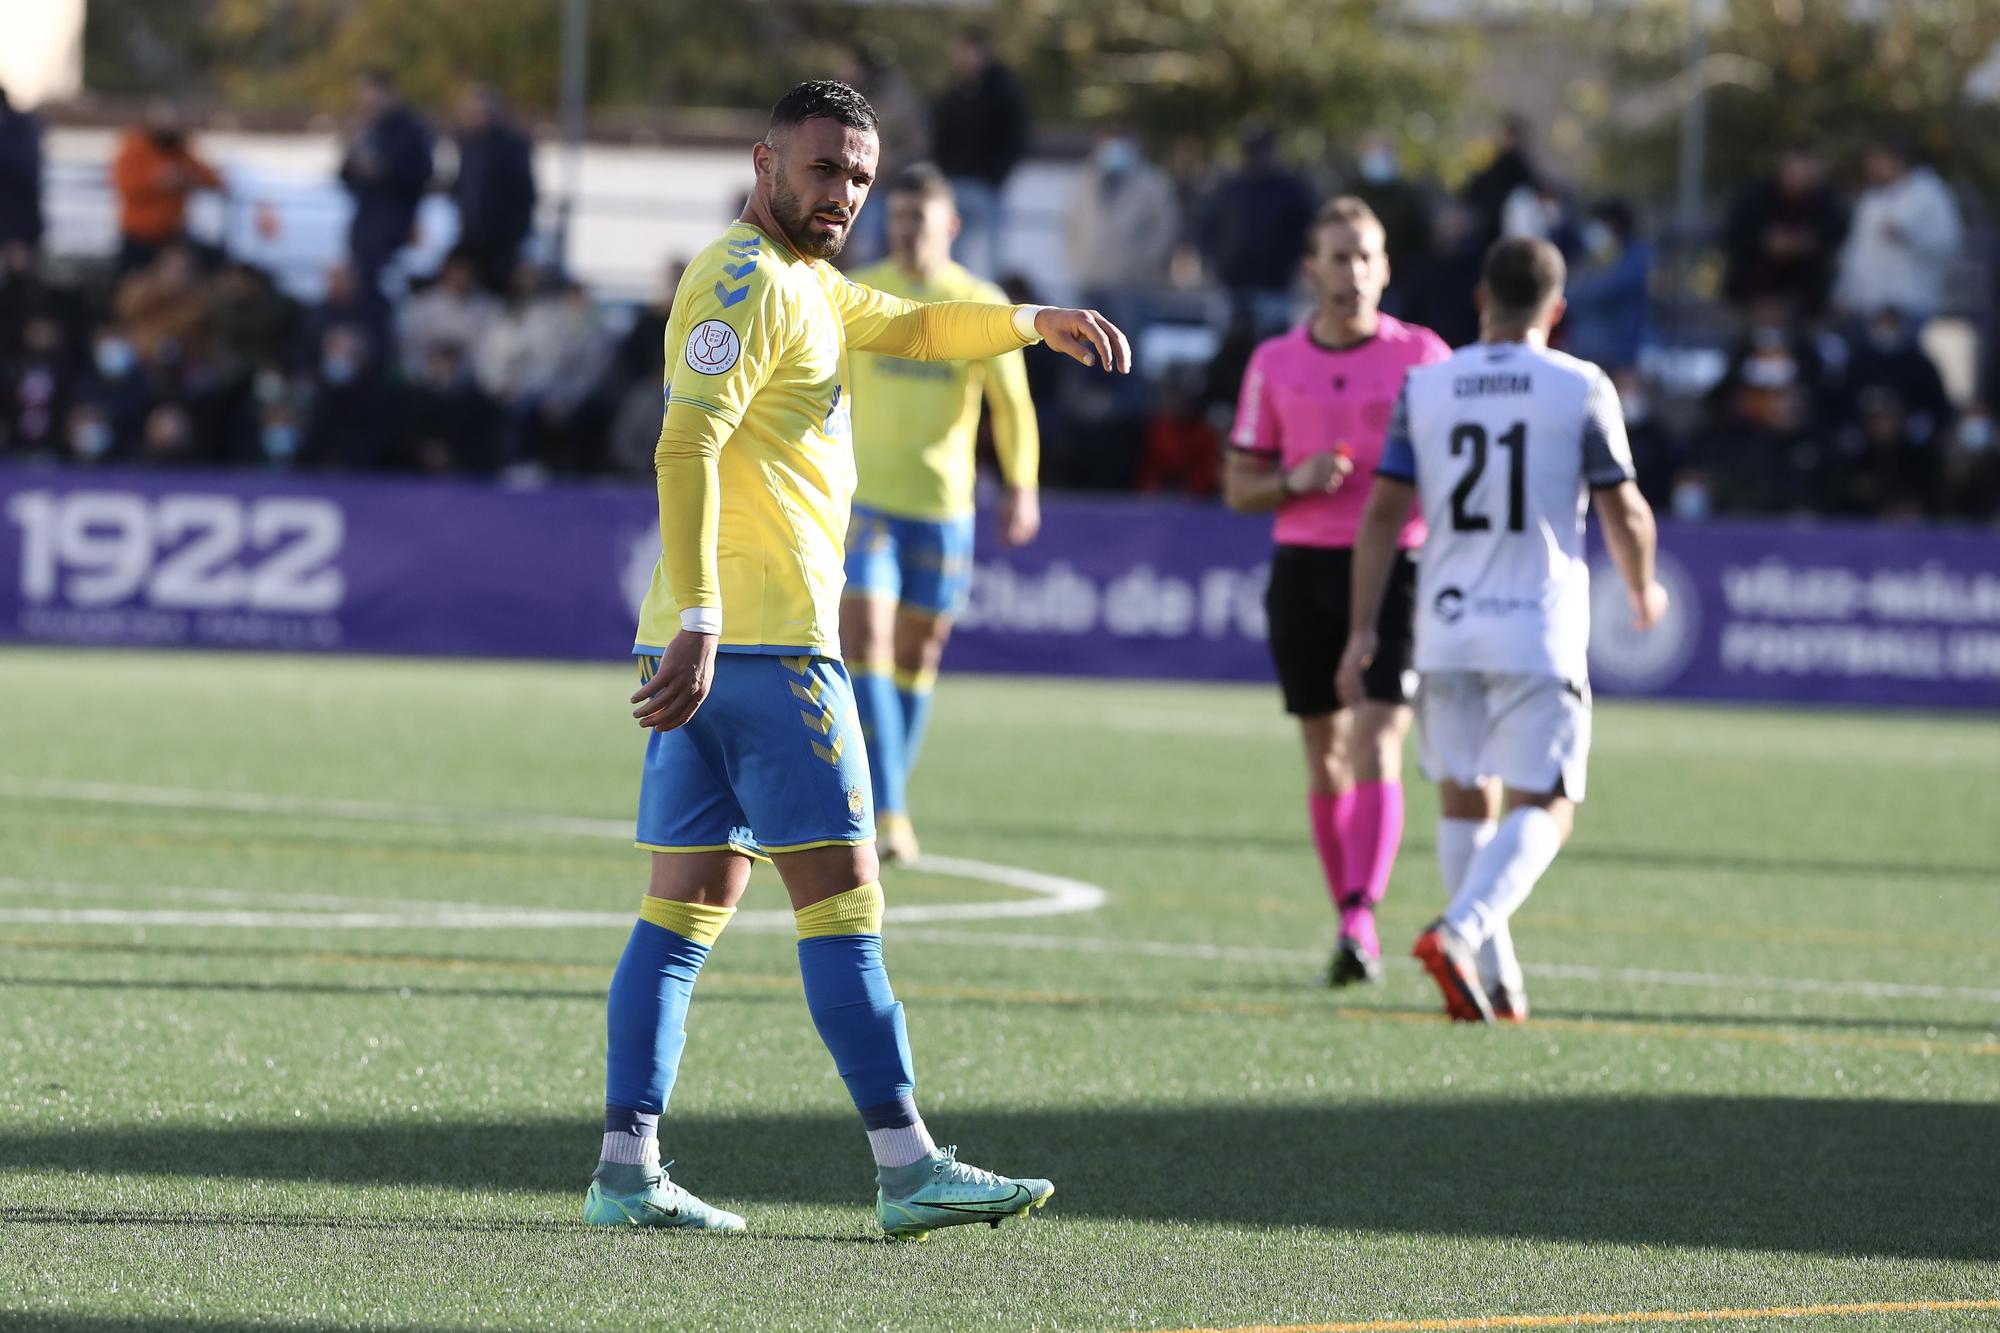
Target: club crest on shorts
pixel 854 800
pixel 712 347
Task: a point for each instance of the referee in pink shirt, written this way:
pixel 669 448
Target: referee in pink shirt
pixel 1309 428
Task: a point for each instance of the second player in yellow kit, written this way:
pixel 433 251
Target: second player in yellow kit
pixel 909 554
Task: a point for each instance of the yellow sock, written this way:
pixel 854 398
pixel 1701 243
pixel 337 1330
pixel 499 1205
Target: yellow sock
pixel 856 912
pixel 699 922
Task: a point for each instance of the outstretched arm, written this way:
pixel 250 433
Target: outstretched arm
pixel 972 330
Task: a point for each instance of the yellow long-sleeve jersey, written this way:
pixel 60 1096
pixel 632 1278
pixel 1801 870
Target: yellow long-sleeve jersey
pixel 755 463
pixel 915 422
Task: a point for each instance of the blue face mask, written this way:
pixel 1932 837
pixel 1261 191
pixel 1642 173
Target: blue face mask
pixel 1378 165
pixel 281 441
pixel 1116 156
pixel 115 358
pixel 91 439
pixel 337 370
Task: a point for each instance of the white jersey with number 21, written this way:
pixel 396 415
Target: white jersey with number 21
pixel 1503 442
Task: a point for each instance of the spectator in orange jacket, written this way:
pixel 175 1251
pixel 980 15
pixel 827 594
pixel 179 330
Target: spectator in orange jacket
pixel 154 173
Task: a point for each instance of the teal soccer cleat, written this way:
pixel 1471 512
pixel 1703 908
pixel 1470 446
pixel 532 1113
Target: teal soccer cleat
pixel 657 1203
pixel 952 1194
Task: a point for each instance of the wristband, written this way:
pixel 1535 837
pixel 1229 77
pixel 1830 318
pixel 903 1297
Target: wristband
pixel 1024 322
pixel 702 620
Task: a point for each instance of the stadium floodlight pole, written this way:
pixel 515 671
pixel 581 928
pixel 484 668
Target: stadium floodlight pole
pixel 575 91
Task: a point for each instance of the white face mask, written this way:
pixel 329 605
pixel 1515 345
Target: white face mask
pixel 1599 239
pixel 1975 434
pixel 1378 165
pixel 1117 155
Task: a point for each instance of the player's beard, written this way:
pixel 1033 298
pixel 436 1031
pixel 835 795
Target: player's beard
pixel 796 220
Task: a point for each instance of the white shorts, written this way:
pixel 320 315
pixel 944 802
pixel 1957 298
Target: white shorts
pixel 1532 732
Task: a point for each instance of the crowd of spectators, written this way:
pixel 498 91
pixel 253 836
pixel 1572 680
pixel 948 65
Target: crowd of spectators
pixel 1827 401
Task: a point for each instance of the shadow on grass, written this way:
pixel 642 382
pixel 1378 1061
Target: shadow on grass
pixel 1891 1179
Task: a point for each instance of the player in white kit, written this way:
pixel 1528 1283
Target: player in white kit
pixel 1505 444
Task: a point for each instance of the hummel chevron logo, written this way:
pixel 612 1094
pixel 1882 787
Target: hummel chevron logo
pixel 729 296
pixel 742 270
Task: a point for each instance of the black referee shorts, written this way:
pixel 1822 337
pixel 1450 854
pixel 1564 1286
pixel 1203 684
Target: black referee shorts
pixel 1307 605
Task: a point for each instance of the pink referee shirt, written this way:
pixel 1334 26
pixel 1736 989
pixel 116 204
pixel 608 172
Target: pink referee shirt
pixel 1301 399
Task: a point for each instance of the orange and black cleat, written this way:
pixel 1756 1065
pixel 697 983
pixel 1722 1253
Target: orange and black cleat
pixel 1452 965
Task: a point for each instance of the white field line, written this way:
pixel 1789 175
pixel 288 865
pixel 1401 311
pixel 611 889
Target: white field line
pixel 1053 895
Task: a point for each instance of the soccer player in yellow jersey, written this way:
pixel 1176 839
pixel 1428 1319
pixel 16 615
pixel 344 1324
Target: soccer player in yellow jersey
pixel 754 750
pixel 909 544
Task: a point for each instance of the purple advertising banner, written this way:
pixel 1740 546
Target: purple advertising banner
pixel 1860 615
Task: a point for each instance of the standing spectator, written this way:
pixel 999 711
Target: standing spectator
pixel 1510 172
pixel 1782 235
pixel 154 173
pixel 20 175
pixel 451 312
pixel 1904 237
pixel 1404 207
pixel 642 352
pixel 1183 450
pixel 1607 294
pixel 980 134
pixel 1253 227
pixel 1122 220
pixel 386 169
pixel 495 187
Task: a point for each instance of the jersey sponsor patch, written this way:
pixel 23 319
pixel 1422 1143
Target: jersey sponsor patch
pixel 712 347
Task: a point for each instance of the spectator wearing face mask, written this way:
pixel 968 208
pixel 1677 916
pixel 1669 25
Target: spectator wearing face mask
pixel 154 173
pixel 1887 357
pixel 1972 467
pixel 1607 292
pixel 117 384
pixel 90 439
pixel 1403 206
pixel 1763 443
pixel 1122 220
pixel 355 412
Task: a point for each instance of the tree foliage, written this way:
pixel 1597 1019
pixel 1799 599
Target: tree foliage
pixel 1836 74
pixel 1175 69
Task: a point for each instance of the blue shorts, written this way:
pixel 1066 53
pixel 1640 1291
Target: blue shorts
pixel 772 762
pixel 922 563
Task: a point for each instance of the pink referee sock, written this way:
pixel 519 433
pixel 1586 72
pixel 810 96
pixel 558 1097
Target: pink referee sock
pixel 1325 813
pixel 1369 837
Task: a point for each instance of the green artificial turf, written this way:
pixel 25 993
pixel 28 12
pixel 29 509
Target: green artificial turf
pixel 1763 1069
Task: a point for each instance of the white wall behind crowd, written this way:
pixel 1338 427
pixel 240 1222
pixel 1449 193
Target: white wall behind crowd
pixel 637 207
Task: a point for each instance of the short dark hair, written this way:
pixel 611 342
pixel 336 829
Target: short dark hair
pixel 924 179
pixel 1521 275
pixel 822 99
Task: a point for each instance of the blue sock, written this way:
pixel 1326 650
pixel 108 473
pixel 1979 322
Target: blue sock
pixel 882 727
pixel 913 694
pixel 646 1020
pixel 847 990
